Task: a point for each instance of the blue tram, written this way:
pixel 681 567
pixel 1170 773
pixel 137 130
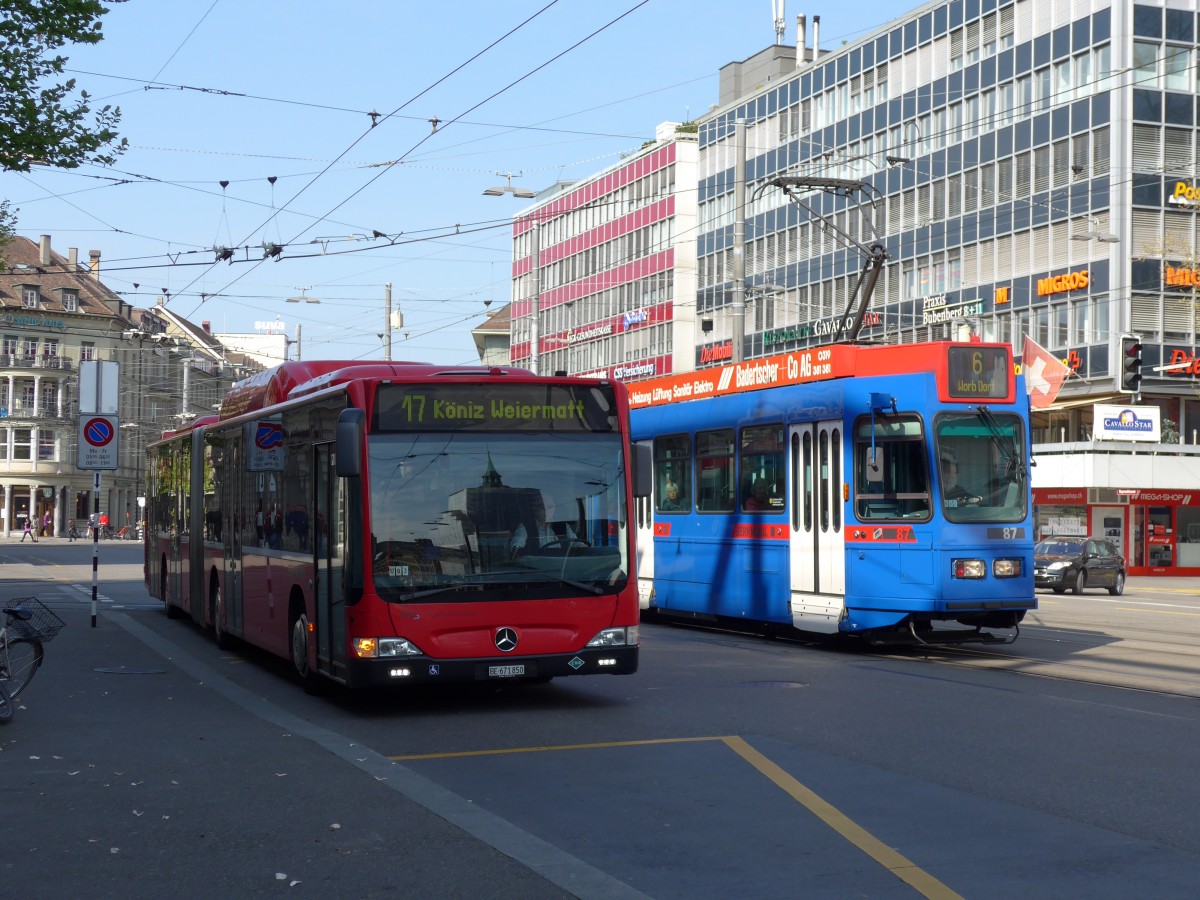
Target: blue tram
pixel 874 491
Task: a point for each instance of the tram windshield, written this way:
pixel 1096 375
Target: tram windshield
pixel 467 516
pixel 981 462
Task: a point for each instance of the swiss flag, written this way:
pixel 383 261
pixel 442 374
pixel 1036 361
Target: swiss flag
pixel 1044 375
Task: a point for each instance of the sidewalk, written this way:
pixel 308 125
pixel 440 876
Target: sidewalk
pixel 121 775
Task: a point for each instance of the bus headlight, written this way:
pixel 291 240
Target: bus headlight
pixel 384 648
pixel 970 568
pixel 616 637
pixel 1006 568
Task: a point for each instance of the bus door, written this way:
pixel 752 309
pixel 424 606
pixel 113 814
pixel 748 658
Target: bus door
pixel 817 552
pixel 178 545
pixel 231 533
pixel 330 547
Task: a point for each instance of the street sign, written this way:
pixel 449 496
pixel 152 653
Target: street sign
pixel 99 441
pixel 98 389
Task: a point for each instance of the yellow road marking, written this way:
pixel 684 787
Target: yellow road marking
pixel 1161 612
pixel 691 740
pixel 894 862
pixel 898 865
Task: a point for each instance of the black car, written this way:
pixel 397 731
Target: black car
pixel 1078 563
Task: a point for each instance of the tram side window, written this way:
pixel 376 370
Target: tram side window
pixel 761 466
pixel 673 473
pixel 891 477
pixel 715 491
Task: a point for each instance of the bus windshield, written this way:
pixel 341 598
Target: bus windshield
pixel 981 459
pixel 470 516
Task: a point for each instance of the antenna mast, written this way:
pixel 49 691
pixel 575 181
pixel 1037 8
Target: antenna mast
pixel 777 14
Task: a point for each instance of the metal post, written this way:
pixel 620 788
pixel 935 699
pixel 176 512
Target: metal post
pixel 739 238
pixel 95 544
pixel 297 342
pixel 387 325
pixel 536 290
pixel 187 376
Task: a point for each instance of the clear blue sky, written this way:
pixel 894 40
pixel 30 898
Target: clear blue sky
pixel 243 92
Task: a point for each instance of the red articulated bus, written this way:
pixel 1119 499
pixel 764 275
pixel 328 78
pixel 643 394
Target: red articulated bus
pixel 400 523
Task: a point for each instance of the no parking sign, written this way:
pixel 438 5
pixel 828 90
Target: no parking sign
pixel 99 441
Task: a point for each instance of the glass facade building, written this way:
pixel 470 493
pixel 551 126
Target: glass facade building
pixel 1030 167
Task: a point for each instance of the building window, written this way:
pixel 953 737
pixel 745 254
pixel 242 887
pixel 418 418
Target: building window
pixel 87 350
pixel 1177 64
pixel 30 298
pixel 70 301
pixel 47 444
pixel 22 448
pixel 1145 63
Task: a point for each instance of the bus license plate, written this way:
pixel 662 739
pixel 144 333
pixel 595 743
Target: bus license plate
pixel 505 671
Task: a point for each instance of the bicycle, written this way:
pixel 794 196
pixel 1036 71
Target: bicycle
pixel 29 624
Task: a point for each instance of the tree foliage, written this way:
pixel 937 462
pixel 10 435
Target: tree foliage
pixel 43 119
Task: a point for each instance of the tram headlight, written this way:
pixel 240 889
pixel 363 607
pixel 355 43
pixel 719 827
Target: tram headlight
pixel 384 648
pixel 1006 568
pixel 970 568
pixel 616 637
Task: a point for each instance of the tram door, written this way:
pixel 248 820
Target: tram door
pixel 817 551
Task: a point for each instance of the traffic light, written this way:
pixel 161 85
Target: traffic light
pixel 1131 364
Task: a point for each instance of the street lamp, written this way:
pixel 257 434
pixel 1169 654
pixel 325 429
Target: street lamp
pixel 1095 234
pixel 523 193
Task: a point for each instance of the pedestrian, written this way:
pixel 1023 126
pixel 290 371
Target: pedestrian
pixel 28 532
pixel 46 520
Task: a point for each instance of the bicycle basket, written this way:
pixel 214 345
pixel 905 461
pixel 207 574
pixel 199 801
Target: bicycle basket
pixel 42 626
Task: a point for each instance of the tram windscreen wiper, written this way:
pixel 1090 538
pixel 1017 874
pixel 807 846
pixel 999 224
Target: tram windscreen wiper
pixel 1014 468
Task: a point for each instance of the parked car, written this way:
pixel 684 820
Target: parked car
pixel 1078 563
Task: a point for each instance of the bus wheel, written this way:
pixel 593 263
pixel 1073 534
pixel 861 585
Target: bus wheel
pixel 217 609
pixel 308 678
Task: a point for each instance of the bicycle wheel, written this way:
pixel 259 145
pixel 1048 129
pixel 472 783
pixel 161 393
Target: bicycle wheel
pixel 6 705
pixel 24 657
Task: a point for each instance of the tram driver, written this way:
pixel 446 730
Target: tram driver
pixel 954 493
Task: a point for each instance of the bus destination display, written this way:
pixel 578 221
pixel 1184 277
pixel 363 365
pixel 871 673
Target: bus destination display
pixel 978 372
pixel 515 407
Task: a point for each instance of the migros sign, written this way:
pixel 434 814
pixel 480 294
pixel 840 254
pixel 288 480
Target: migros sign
pixel 1060 284
pixel 1174 277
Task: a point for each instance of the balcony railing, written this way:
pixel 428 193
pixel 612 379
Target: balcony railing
pixel 26 361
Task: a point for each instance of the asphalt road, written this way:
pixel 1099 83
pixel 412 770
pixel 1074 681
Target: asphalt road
pixel 144 760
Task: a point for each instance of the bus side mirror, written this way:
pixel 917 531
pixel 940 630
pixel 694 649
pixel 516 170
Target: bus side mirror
pixel 348 443
pixel 643 470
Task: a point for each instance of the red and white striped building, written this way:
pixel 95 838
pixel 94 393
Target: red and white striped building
pixel 613 292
